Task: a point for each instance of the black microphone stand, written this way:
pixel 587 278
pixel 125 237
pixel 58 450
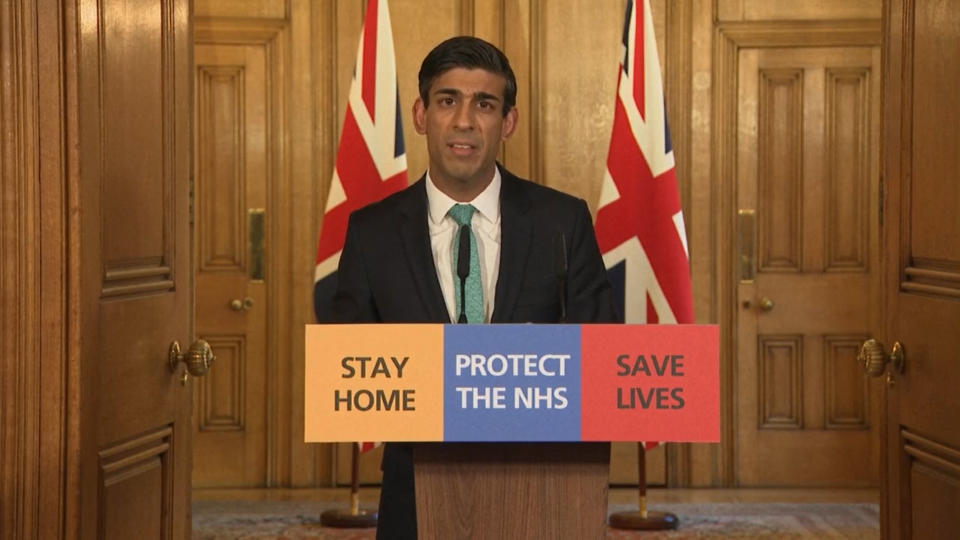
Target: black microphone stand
pixel 463 270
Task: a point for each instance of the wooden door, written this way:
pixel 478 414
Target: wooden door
pixel 233 142
pixel 920 492
pixel 132 283
pixel 807 168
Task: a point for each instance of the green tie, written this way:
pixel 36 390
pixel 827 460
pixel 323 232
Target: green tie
pixel 462 214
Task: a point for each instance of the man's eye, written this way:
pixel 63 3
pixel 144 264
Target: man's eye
pixel 485 105
pixel 446 101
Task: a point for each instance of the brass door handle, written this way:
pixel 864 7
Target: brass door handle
pixel 241 305
pixel 766 304
pixel 198 358
pixel 874 361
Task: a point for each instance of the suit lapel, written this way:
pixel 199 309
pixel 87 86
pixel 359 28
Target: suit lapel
pixel 516 235
pixel 416 243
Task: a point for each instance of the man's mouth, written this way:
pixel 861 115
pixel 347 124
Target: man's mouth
pixel 461 148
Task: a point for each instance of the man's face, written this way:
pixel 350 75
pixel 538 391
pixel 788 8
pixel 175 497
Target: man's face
pixel 464 124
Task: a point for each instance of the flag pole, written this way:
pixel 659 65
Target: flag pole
pixel 355 517
pixel 642 519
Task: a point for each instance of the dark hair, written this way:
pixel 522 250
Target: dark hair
pixel 471 53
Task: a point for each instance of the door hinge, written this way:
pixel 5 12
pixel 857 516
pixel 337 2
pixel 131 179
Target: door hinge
pixel 881 200
pixel 190 205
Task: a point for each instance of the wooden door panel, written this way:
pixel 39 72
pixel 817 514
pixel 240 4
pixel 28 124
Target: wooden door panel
pixel 921 453
pixel 934 487
pixel 807 173
pixel 139 178
pixel 931 380
pixel 135 271
pixel 136 488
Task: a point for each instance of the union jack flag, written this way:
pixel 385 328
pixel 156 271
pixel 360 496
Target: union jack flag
pixel 371 160
pixel 639 223
pixel 365 446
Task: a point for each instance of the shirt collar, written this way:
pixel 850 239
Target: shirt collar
pixel 487 202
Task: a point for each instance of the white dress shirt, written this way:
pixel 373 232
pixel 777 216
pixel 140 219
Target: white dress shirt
pixel 486 229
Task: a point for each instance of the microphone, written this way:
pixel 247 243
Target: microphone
pixel 463 270
pixel 560 269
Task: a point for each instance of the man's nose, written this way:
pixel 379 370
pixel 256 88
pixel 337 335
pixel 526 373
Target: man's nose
pixel 463 117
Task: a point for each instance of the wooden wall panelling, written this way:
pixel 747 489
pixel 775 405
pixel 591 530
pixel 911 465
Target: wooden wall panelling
pixel 678 82
pixel 767 10
pixel 417 27
pixel 521 29
pixel 487 20
pixel 312 45
pixel 21 396
pixel 56 453
pixel 578 66
pixel 242 9
pixel 700 214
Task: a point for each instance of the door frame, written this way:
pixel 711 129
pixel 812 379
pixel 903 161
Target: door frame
pixel 39 349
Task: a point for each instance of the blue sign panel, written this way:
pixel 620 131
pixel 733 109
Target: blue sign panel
pixel 511 383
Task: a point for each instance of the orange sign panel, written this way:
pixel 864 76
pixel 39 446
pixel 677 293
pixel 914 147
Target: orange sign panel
pixel 374 381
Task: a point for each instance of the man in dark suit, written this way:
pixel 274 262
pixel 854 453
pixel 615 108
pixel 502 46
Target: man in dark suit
pixel 532 247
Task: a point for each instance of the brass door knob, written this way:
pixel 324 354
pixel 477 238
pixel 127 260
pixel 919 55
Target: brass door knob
pixel 874 360
pixel 198 358
pixel 766 304
pixel 241 305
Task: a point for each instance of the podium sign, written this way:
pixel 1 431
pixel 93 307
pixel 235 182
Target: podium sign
pixel 513 382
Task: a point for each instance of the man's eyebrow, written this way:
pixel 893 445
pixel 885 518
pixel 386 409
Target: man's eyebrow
pixel 457 93
pixel 486 96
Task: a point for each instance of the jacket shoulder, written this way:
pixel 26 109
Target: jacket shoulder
pixel 400 202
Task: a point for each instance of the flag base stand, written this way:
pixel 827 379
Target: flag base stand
pixel 642 519
pixel 344 519
pixel 653 521
pixel 355 517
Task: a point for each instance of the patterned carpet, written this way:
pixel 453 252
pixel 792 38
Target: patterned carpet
pixel 275 520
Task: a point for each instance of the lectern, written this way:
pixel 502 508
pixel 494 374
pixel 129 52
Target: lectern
pixel 493 393
pixel 511 490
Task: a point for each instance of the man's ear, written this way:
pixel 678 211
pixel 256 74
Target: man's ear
pixel 420 116
pixel 509 123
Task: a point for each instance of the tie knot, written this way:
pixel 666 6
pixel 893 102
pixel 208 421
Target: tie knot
pixel 462 213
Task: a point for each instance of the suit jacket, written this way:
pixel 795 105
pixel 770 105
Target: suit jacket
pixel 387 272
